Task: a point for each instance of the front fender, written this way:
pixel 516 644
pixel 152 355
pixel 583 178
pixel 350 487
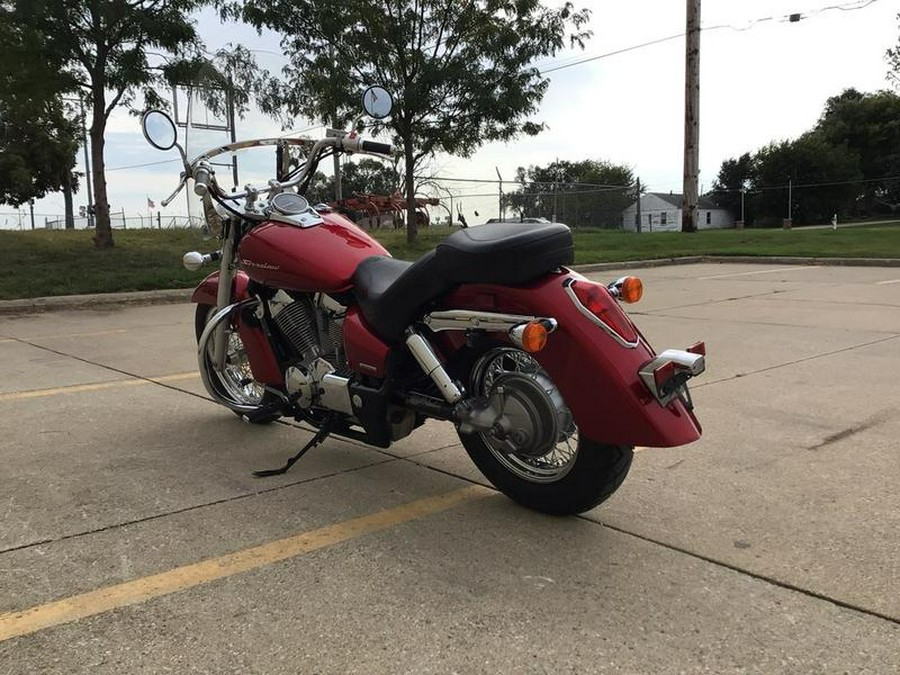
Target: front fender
pixel 206 291
pixel 597 376
pixel 263 363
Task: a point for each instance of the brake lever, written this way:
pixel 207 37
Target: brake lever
pixel 165 202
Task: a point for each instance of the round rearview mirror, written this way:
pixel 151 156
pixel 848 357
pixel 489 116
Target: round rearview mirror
pixel 377 102
pixel 159 129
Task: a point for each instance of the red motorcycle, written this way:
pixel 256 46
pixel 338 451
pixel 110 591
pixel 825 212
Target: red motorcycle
pixel 548 382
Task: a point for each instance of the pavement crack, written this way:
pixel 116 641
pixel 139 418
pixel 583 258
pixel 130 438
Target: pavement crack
pixel 795 362
pixel 112 369
pixel 754 575
pixel 706 303
pixel 187 509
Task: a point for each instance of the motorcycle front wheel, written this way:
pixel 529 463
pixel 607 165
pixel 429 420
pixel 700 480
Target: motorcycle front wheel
pixel 568 474
pixel 235 383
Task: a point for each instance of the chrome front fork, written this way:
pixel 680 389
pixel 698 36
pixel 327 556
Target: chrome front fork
pixel 223 296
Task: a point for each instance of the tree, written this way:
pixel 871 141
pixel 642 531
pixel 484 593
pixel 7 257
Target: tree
pixel 589 193
pixel 38 130
pixel 893 58
pixel 735 176
pixel 368 176
pixel 868 125
pixel 462 73
pixel 102 46
pixel 824 175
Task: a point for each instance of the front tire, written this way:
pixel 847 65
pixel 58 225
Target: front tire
pixel 236 382
pixel 540 461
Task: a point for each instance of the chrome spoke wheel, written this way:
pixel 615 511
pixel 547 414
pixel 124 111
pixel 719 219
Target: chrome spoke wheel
pixel 533 407
pixel 237 377
pixel 235 381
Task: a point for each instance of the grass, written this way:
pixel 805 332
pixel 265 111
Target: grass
pixel 41 263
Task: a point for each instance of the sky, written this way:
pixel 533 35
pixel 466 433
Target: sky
pixel 762 79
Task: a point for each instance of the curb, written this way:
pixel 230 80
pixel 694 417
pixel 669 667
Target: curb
pixel 94 301
pixel 741 259
pixel 101 300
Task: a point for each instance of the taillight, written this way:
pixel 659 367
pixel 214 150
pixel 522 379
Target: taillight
pixel 596 299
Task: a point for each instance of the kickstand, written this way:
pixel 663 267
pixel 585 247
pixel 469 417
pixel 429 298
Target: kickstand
pixel 320 436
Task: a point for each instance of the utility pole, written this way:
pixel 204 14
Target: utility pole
pixel 691 118
pixel 788 222
pixel 556 190
pixel 638 221
pixel 230 104
pixel 87 167
pixel 338 188
pixel 500 209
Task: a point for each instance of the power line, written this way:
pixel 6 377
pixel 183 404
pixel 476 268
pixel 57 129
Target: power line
pixel 807 185
pixel 140 166
pixel 787 18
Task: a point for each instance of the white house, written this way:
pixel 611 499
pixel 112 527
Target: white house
pixel 661 212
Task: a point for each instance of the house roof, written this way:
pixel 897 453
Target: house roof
pixel 676 199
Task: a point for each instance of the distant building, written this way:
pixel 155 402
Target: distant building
pixel 661 212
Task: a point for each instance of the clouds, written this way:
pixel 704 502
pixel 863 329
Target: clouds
pixel 766 83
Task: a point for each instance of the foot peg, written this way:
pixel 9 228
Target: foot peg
pixel 262 413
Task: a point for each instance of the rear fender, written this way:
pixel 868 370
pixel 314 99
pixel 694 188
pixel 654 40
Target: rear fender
pixel 598 377
pixel 263 363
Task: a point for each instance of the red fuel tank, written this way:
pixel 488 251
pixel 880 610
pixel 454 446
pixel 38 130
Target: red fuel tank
pixel 319 258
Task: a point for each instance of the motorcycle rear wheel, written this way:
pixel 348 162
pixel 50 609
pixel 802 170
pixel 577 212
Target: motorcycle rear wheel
pixel 236 382
pixel 573 476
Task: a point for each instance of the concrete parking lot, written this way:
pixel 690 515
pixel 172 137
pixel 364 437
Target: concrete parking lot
pixel 133 538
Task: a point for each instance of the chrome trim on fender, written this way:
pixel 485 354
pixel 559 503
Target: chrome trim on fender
pixel 597 321
pixel 463 319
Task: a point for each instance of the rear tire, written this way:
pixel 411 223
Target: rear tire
pixel 234 385
pixel 597 473
pixel 539 460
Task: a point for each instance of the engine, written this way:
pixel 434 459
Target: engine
pixel 312 326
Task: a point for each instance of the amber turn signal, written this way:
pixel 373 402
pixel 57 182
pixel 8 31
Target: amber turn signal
pixel 534 337
pixel 631 290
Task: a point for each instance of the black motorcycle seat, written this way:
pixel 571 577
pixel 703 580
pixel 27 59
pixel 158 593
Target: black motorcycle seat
pixel 391 292
pixel 504 253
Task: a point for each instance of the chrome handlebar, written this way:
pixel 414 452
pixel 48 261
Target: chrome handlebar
pixel 204 176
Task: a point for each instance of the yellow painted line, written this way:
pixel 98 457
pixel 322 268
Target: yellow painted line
pixel 25 622
pixel 81 388
pixel 67 335
pixel 747 274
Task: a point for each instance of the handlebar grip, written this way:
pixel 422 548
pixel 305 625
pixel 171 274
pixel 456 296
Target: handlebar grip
pixel 379 148
pixel 201 181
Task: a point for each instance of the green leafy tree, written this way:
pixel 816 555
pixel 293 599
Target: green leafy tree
pixel 869 126
pixel 734 176
pixel 38 130
pixel 462 73
pixel 366 177
pixel 893 58
pixel 102 45
pixel 824 175
pixel 589 193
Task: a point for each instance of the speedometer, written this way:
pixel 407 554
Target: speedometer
pixel 289 203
